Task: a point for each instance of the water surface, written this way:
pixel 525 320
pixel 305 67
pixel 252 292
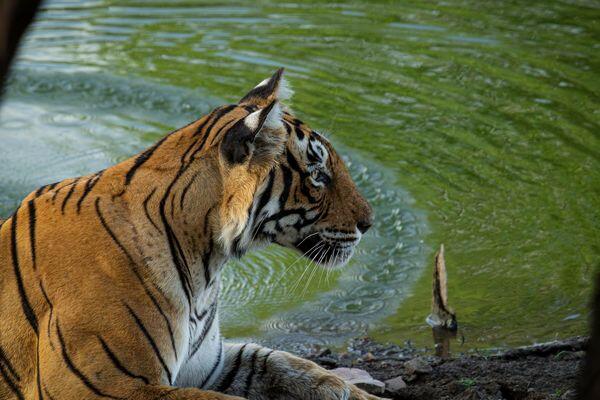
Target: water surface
pixel 473 124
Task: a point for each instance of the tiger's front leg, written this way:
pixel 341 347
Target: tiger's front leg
pixel 259 373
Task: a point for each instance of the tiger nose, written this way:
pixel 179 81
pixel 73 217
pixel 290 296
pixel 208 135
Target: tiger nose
pixel 364 224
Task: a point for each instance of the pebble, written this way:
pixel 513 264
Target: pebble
pixel 394 385
pixel 361 379
pixel 417 366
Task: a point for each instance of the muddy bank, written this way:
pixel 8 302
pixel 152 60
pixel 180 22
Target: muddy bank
pixel 545 371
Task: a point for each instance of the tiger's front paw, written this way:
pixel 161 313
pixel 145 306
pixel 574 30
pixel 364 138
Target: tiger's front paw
pixel 299 379
pixel 332 387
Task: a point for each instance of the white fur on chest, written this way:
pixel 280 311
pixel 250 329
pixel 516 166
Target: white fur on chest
pixel 205 350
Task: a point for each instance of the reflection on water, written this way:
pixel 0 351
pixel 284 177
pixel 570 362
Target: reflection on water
pixel 466 124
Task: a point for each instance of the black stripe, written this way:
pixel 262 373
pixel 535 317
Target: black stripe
pixel 160 310
pixel 230 377
pixel 293 163
pixel 148 212
pixel 206 263
pixel 203 141
pixel 263 368
pixel 117 363
pixel 187 151
pixel 200 127
pixel 187 187
pixel 217 114
pixel 40 190
pixel 175 249
pixel 265 196
pixel 110 232
pixel 200 316
pixel 265 360
pixel 297 122
pixel 68 196
pixel 141 159
pixel 298 132
pixel 251 373
pixel 4 360
pixel 56 193
pixel 51 312
pixel 151 342
pixel 172 206
pixel 207 325
pixel 288 127
pixel 207 220
pixel 215 366
pixel 31 207
pixel 48 395
pixel 27 309
pixel 287 184
pixel 89 185
pixel 75 370
pixel 13 385
pixel 225 126
pixel 311 154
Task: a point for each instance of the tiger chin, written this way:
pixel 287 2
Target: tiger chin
pixel 109 282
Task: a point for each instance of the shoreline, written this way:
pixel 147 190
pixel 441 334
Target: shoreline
pixel 542 371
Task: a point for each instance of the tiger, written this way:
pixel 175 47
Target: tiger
pixel 109 283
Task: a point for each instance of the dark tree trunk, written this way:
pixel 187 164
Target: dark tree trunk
pixel 589 387
pixel 15 17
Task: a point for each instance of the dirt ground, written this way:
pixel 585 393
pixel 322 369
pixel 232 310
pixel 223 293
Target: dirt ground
pixel 545 371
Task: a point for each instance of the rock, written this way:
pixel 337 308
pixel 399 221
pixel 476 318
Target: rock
pixel 369 357
pixel 323 352
pixel 569 395
pixel 360 378
pixel 327 361
pixel 417 366
pixel 394 385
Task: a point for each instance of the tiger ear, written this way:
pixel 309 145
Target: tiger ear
pixel 257 135
pixel 269 90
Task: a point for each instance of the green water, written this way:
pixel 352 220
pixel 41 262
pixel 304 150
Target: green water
pixel 470 123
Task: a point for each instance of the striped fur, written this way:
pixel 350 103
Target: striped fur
pixel 109 283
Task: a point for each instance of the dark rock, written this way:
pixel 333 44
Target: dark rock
pixel 328 362
pixel 323 352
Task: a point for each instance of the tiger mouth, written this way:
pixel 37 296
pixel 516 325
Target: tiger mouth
pixel 326 251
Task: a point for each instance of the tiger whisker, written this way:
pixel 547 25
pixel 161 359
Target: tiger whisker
pixel 317 248
pixel 302 241
pixel 295 261
pixel 320 256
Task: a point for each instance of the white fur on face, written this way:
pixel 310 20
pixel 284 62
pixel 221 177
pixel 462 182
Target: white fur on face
pixel 318 151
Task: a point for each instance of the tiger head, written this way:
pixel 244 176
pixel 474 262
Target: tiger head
pixel 284 183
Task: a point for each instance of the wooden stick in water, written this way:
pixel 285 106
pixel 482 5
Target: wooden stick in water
pixel 442 318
